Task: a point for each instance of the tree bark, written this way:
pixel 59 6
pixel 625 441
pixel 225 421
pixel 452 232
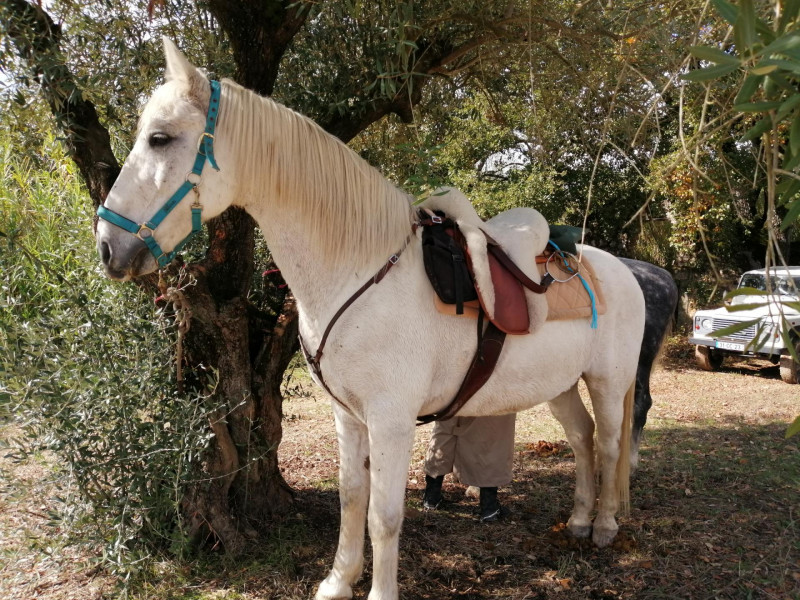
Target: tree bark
pixel 37 38
pixel 260 33
pixel 250 350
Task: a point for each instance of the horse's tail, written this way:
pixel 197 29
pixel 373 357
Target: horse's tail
pixel 623 462
pixel 666 334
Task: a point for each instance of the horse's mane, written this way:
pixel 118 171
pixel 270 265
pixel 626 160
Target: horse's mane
pixel 353 213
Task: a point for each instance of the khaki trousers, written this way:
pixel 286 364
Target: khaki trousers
pixel 479 451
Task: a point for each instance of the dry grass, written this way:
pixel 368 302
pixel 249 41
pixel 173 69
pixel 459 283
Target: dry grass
pixel 39 558
pixel 714 513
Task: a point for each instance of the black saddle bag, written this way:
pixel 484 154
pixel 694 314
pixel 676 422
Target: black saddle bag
pixel 446 264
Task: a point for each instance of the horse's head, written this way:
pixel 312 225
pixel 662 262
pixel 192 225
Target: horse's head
pixel 145 214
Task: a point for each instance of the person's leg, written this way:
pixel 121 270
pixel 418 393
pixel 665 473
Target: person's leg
pixel 484 458
pixel 438 462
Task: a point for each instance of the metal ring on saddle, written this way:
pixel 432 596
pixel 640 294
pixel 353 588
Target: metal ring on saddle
pixel 570 259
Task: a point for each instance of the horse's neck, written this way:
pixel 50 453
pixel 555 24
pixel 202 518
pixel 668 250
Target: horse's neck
pixel 330 220
pixel 320 286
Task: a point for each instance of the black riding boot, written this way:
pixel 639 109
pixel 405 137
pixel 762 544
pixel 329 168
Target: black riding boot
pixel 433 492
pixel 490 505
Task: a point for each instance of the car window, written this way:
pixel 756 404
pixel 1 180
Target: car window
pixel 754 280
pixel 781 284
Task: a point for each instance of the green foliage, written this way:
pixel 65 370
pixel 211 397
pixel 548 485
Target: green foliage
pixel 85 368
pixel 766 58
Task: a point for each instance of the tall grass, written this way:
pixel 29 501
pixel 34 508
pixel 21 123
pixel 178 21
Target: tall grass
pixel 86 367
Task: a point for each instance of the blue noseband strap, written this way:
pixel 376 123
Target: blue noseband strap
pixel 205 152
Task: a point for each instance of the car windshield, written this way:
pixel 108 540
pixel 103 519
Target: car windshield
pixel 779 283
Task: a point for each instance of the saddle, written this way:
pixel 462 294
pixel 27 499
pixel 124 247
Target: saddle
pixel 474 276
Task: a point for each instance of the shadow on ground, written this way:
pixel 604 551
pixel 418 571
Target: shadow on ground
pixel 714 512
pixel 713 516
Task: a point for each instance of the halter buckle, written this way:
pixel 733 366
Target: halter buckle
pixel 201 141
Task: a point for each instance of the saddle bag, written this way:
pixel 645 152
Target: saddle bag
pixel 446 264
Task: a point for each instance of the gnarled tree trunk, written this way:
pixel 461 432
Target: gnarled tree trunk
pixel 250 350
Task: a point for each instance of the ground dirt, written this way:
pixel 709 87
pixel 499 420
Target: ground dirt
pixel 715 508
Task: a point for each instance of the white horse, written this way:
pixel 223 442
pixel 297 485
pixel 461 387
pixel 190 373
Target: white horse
pixel 331 222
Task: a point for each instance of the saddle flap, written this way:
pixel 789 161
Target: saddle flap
pixel 510 306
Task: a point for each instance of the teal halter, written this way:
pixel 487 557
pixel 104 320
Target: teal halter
pixel 144 231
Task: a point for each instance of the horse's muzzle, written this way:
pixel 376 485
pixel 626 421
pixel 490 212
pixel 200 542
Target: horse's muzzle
pixel 124 257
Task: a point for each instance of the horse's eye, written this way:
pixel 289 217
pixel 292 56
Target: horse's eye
pixel 159 139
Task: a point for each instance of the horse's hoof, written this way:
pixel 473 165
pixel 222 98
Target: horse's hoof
pixel 580 531
pixel 580 528
pixel 330 590
pixel 603 537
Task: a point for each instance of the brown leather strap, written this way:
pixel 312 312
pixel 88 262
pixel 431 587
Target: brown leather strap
pixel 314 361
pixel 505 260
pixel 490 344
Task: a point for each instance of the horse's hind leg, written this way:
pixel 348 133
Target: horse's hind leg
pixel 579 429
pixel 642 403
pixel 353 496
pixel 613 406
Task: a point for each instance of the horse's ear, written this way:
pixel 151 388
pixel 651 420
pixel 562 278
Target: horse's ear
pixel 180 69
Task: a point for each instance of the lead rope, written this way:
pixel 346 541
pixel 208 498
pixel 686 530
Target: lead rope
pixel 183 318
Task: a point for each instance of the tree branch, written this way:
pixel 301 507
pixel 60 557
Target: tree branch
pixel 260 33
pixel 37 40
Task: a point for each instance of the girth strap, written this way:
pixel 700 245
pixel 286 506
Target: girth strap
pixel 490 344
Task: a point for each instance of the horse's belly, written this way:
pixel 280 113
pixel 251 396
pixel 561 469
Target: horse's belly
pixel 534 369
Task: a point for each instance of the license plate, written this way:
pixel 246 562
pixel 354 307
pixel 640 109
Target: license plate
pixel 730 346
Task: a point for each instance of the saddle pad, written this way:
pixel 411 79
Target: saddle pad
pixel 565 300
pixel 570 300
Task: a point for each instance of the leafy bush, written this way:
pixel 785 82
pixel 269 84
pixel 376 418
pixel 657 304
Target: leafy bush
pixel 86 369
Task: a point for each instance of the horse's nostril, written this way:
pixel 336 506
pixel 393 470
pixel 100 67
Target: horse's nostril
pixel 105 252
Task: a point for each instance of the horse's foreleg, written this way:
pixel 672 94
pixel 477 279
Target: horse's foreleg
pixel 578 426
pixel 390 445
pixel 353 496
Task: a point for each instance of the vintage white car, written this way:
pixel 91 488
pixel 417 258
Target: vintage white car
pixel 775 308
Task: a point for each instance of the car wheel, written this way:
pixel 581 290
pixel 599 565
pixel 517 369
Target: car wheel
pixel 790 368
pixel 707 358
